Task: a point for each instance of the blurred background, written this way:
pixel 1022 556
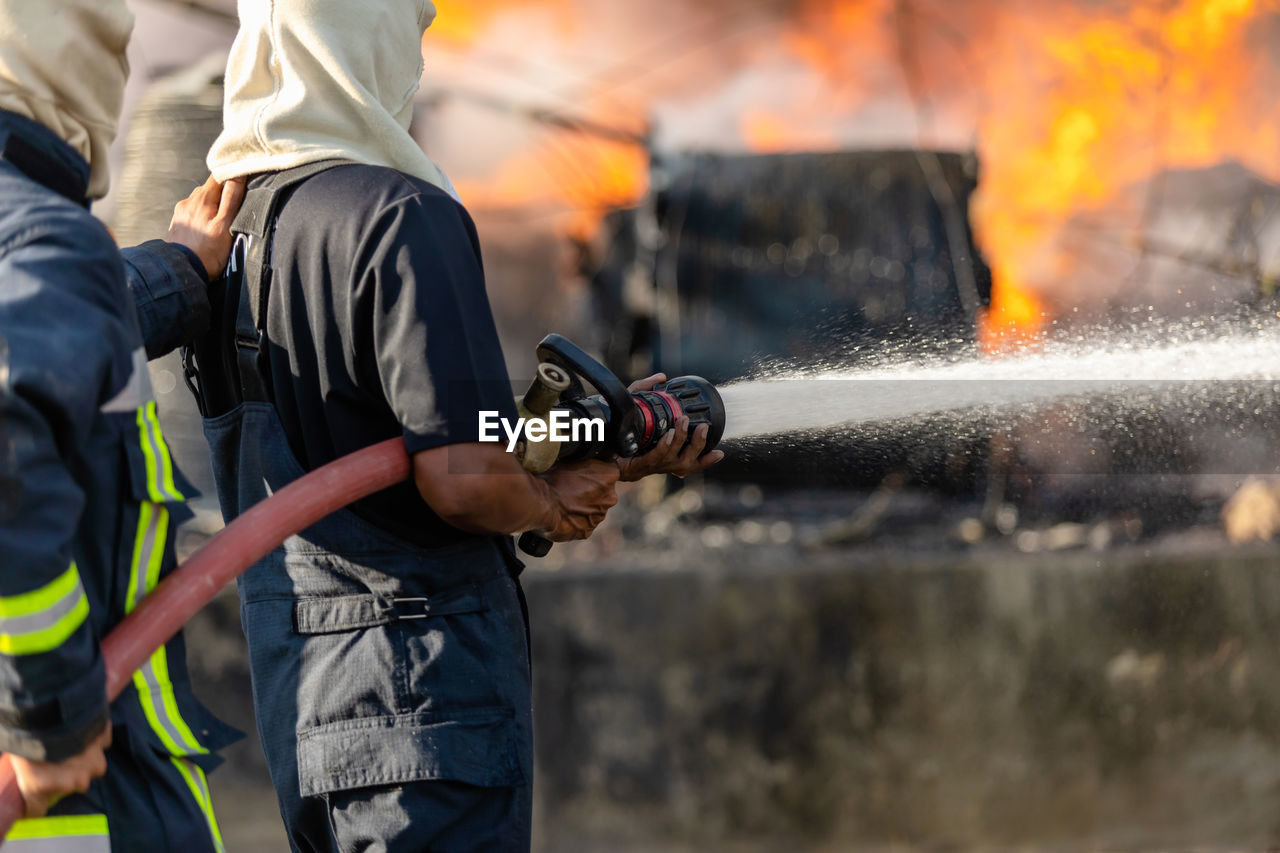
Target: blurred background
pixel 971 636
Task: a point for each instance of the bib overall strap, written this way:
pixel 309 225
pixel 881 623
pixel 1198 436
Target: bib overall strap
pixel 254 226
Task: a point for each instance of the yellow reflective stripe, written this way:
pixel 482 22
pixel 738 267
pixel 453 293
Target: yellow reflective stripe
pixel 142 539
pixel 144 436
pixel 58 827
pixel 43 619
pixel 155 691
pixel 151 708
pixel 167 483
pixel 160 665
pixel 50 638
pixel 161 708
pixel 40 599
pixel 156 557
pixel 199 786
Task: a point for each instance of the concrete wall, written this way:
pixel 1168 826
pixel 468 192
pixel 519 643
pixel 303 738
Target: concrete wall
pixel 864 701
pixel 836 701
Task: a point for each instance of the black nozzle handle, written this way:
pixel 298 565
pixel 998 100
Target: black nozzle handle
pixel 620 431
pixel 535 545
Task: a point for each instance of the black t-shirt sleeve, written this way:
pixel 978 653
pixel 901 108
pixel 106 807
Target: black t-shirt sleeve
pixel 434 344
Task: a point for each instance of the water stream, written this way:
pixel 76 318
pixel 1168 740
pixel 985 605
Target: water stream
pixel 1177 361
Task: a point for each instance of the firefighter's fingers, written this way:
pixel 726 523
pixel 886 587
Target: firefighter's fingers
pixel 207 194
pixel 98 764
pixel 685 437
pixel 707 461
pixel 679 435
pixel 195 200
pixel 647 383
pixel 697 443
pixel 231 198
pixel 36 804
pixel 80 782
pixel 687 461
pixel 203 202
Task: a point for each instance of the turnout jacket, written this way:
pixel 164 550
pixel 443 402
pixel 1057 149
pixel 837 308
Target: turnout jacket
pixel 89 494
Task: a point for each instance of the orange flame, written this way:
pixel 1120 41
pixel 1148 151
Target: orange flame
pixel 1072 105
pixel 1079 104
pixel 1092 107
pixel 773 133
pixel 464 22
pixel 586 177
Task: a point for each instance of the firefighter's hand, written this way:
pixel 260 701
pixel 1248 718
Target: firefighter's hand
pixel 43 783
pixel 583 493
pixel 671 456
pixel 202 222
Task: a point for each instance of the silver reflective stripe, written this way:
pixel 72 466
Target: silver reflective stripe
pixel 85 833
pixel 66 844
pixel 44 619
pixel 145 549
pixel 179 743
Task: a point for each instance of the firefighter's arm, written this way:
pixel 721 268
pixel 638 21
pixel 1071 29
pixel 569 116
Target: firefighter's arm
pixel 52 680
pixel 481 488
pixel 168 278
pixel 61 336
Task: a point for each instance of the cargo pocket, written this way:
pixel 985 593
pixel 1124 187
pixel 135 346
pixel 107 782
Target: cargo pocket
pixel 362 720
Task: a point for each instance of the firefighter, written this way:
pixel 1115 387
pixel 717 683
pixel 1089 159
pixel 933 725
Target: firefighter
pixel 89 494
pixel 388 645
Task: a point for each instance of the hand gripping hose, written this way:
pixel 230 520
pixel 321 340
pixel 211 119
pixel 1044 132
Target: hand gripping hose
pixel 241 544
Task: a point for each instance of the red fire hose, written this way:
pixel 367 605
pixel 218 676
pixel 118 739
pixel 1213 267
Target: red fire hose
pixel 241 544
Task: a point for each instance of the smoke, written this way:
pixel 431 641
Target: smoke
pixel 1077 110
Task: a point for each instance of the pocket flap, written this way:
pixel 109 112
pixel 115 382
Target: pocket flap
pixel 331 614
pixel 476 750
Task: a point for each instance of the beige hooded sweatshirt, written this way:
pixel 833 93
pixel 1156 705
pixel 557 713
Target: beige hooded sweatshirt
pixel 312 80
pixel 62 64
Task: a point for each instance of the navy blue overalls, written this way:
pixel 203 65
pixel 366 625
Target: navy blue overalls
pixel 391 682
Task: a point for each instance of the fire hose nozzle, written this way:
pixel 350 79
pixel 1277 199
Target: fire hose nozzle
pixel 544 392
pixel 550 381
pixel 634 421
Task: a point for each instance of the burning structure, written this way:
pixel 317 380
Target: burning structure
pixel 740 261
pixel 1070 107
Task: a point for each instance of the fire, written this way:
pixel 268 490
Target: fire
pixel 1093 106
pixel 1071 106
pixel 584 177
pixel 464 22
pixel 578 176
pixel 770 133
pixel 833 36
pixel 1078 104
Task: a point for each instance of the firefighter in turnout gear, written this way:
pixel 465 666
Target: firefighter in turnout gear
pixel 89 494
